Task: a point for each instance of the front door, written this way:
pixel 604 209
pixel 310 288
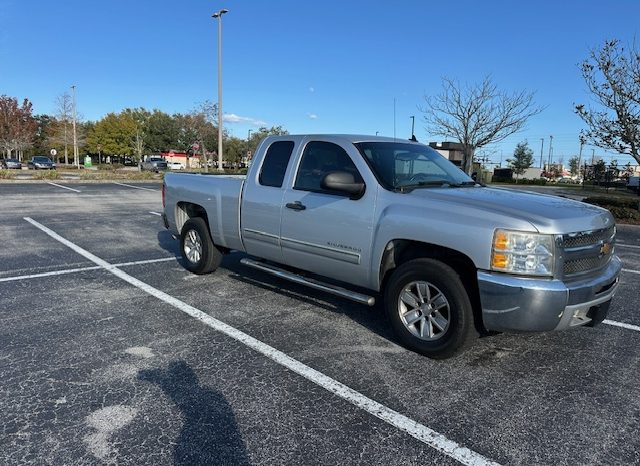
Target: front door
pixel 323 231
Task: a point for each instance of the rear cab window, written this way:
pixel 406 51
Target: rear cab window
pixel 274 165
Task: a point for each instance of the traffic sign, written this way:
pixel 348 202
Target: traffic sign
pixel 53 152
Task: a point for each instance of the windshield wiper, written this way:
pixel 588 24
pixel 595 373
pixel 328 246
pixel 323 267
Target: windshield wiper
pixel 464 183
pixel 422 184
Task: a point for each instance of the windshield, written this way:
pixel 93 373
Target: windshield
pixel 41 159
pixel 403 166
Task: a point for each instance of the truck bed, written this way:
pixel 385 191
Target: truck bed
pixel 220 195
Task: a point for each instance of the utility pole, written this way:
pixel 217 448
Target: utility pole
pixel 76 158
pixel 218 16
pixel 593 156
pixel 550 150
pixel 541 149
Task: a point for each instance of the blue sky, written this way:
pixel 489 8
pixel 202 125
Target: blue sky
pixel 310 66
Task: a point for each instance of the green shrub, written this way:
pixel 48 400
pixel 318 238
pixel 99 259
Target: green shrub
pixel 603 201
pixel 46 175
pixel 6 175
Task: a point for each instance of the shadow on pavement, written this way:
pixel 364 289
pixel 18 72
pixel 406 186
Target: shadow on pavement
pixel 210 433
pixel 166 242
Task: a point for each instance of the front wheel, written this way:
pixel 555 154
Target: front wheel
pixel 429 308
pixel 197 248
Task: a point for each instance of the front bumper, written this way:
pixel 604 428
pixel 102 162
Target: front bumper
pixel 537 305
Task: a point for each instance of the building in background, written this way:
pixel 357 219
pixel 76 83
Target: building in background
pixel 449 150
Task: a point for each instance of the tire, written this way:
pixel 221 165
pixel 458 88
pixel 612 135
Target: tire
pixel 198 251
pixel 429 308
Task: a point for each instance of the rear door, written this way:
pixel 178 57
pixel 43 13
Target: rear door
pixel 263 199
pixel 327 232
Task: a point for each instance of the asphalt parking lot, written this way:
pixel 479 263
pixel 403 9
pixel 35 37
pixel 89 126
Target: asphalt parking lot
pixel 112 353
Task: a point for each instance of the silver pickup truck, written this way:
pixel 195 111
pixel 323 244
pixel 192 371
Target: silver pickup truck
pixel 364 216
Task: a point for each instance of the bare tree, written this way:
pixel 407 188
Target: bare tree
pixel 477 115
pixel 62 133
pixel 201 121
pixel 612 75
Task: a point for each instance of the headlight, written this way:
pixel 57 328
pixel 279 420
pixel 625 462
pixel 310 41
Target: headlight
pixel 522 253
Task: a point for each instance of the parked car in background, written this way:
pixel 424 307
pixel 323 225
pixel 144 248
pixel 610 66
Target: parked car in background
pixel 175 166
pixel 153 163
pixel 41 163
pixel 10 163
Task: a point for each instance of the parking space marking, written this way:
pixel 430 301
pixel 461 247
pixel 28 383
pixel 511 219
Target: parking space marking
pixel 53 273
pixel 63 187
pixel 135 187
pixel 624 245
pixel 631 271
pixel 418 431
pixel 156 213
pixel 48 274
pixel 621 324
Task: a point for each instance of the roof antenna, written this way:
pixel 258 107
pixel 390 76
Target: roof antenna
pixel 413 125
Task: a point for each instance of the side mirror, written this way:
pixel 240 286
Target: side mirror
pixel 343 182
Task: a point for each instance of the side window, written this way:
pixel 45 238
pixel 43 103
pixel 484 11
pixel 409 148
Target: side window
pixel 275 163
pixel 319 159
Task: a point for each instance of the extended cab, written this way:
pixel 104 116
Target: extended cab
pixel 380 216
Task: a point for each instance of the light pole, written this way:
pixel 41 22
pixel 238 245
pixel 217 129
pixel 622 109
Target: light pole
pixel 76 159
pixel 218 16
pixel 550 150
pixel 541 149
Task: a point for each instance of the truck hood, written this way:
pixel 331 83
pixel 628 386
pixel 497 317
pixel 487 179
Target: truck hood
pixel 548 214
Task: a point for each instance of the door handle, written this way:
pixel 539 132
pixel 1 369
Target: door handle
pixel 296 205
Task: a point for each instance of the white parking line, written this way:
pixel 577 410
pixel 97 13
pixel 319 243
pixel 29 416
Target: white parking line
pixel 156 213
pixel 623 245
pixel 47 274
pixel 82 269
pixel 418 431
pixel 135 187
pixel 63 187
pixel 631 271
pixel 621 324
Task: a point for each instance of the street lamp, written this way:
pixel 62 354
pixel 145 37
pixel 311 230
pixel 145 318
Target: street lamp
pixel 218 16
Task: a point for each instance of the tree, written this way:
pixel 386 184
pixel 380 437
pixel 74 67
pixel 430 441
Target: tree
pixel 161 132
pixel 522 158
pixel 17 125
pixel 62 133
pixel 574 165
pixel 477 115
pixel 44 126
pixel 115 134
pixel 612 75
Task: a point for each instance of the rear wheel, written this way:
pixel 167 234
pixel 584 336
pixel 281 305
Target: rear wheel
pixel 429 308
pixel 197 248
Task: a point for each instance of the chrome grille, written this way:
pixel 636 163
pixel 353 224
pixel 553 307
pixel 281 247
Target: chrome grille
pixel 587 251
pixel 586 238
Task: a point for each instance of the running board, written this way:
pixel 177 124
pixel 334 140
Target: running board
pixel 311 283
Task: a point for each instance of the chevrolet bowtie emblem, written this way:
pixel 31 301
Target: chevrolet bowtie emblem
pixel 605 249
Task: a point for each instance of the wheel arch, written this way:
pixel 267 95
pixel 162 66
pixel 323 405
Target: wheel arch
pixel 400 251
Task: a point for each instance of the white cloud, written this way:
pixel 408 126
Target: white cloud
pixel 312 89
pixel 233 118
pixel 313 116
